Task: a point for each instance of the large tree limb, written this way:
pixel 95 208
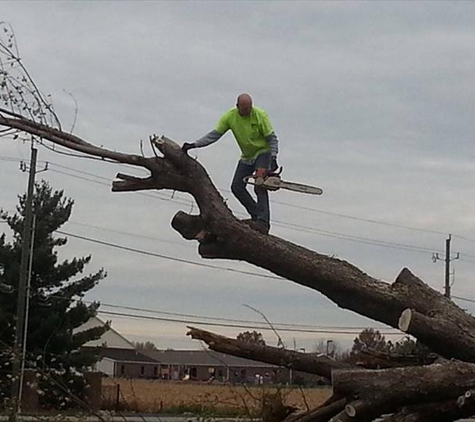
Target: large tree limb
pixel 314 364
pixel 445 411
pixel 321 413
pixel 221 235
pixel 393 388
pixel 375 359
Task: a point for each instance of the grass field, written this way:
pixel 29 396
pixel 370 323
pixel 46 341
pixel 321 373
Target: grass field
pixel 149 396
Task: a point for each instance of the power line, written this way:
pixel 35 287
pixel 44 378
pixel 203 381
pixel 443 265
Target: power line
pixel 366 220
pixel 244 323
pixel 140 236
pixel 463 298
pixel 106 179
pixel 249 327
pixel 171 258
pixel 334 214
pixel 326 233
pixel 275 324
pixel 357 239
pixel 463 238
pixel 154 196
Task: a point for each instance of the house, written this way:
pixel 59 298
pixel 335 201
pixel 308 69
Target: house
pixel 110 339
pixel 207 365
pixel 119 358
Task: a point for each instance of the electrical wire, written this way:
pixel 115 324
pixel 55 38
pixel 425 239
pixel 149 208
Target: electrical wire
pixel 276 324
pixel 167 257
pixel 240 326
pixel 357 239
pixel 340 215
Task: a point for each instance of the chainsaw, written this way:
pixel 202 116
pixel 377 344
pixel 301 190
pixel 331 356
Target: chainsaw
pixel 272 181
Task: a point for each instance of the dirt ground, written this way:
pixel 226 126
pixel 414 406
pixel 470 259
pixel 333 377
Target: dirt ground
pixel 151 396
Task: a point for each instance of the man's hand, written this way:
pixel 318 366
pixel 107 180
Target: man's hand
pixel 273 164
pixel 187 146
pixel 260 173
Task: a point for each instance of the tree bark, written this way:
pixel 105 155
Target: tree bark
pixel 446 411
pixel 314 364
pixel 397 387
pixel 221 235
pixel 375 359
pixel 320 414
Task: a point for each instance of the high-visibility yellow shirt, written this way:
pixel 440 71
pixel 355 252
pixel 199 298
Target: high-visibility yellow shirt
pixel 250 132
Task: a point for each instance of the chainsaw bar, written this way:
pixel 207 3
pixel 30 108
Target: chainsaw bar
pixel 274 183
pixel 299 187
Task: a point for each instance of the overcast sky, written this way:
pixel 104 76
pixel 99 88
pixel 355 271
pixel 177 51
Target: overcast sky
pixel 372 101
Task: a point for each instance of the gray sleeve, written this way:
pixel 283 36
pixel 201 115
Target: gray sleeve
pixel 274 144
pixel 208 139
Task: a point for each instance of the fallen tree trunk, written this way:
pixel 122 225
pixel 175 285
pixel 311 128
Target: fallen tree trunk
pixel 314 364
pixel 378 391
pixel 446 411
pixel 375 359
pixel 222 236
pixel 393 388
pixel 321 413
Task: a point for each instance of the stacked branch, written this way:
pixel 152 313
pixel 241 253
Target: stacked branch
pixel 445 389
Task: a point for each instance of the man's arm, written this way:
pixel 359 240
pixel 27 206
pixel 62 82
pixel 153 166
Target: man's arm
pixel 211 137
pixel 274 150
pixel 208 139
pixel 271 138
pixel 274 144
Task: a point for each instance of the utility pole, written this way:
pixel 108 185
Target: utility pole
pixel 22 284
pixel 448 259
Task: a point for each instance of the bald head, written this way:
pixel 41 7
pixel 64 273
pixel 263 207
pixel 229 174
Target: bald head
pixel 244 105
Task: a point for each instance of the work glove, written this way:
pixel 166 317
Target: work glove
pixel 187 146
pixel 273 164
pixel 260 173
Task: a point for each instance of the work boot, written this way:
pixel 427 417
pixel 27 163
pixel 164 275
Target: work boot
pixel 260 225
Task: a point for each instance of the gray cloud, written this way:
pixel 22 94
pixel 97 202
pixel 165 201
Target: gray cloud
pixel 371 100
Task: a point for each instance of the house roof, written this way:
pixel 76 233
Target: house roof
pixel 202 358
pixel 125 355
pixel 111 338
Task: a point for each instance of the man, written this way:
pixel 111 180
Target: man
pixel 253 132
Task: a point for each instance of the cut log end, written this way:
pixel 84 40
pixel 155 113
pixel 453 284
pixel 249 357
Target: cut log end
pixel 405 320
pixel 350 410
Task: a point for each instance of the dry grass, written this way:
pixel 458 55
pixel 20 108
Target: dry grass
pixel 150 396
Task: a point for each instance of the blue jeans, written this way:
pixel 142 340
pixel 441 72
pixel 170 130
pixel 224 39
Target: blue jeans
pixel 258 210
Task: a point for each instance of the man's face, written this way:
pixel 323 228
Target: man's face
pixel 244 108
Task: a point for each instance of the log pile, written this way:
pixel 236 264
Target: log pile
pixel 435 392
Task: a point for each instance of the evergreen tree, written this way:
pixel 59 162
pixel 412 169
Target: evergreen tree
pixel 55 306
pixel 146 346
pixel 252 337
pixel 370 339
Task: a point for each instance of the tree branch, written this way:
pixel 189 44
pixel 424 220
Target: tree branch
pixel 221 235
pixel 314 364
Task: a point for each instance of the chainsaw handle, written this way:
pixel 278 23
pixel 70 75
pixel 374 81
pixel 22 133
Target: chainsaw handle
pixel 276 173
